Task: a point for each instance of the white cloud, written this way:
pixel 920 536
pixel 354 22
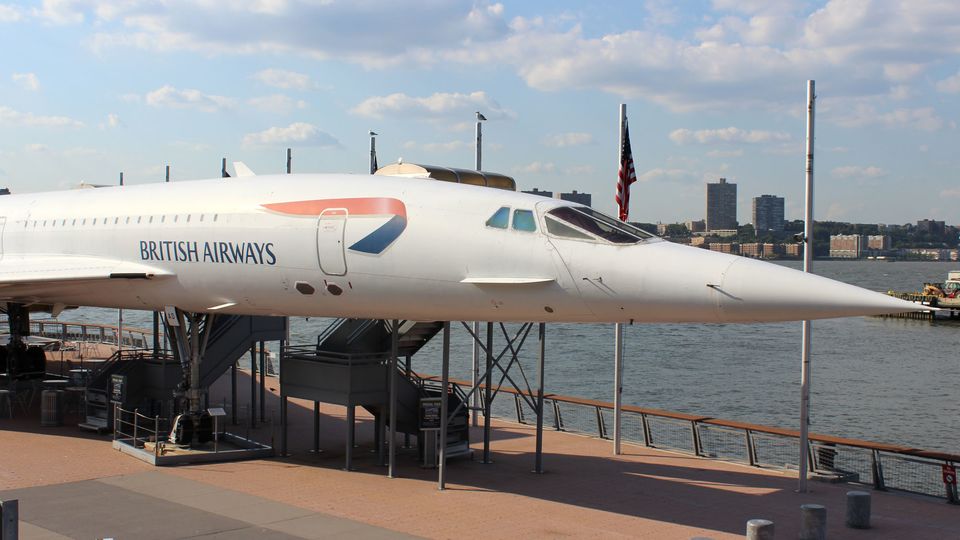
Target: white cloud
pixel 563 140
pixel 950 85
pixel 859 172
pixel 286 80
pixel 438 106
pixel 10 13
pixel 277 103
pixel 951 193
pixel 863 115
pixel 12 117
pixel 296 134
pixel 725 153
pixel 36 148
pixel 372 34
pixel 902 72
pixel 111 121
pixel 168 96
pixel 27 81
pixel 60 12
pixel 537 167
pixel 726 135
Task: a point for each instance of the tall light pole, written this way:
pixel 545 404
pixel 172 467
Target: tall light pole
pixel 807 263
pixel 475 374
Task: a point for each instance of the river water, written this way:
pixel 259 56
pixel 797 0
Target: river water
pixel 886 380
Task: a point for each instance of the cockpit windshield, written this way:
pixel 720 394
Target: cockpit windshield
pixel 583 223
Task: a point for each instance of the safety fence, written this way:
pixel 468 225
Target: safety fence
pixel 885 466
pixel 136 429
pixel 135 338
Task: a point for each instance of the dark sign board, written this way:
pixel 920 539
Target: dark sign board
pixel 430 414
pixel 118 388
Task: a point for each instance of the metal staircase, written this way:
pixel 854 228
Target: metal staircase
pixel 350 366
pixel 154 377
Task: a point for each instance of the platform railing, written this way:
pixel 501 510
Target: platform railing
pixel 884 466
pixel 136 338
pixel 135 429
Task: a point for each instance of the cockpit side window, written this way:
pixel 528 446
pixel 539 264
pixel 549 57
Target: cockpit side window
pixel 500 219
pixel 598 224
pixel 559 228
pixel 523 220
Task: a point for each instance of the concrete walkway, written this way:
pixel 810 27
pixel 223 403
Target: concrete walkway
pixel 585 493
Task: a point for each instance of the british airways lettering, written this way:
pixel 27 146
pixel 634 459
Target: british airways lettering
pixel 208 252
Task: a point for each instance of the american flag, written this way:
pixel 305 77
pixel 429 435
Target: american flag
pixel 627 174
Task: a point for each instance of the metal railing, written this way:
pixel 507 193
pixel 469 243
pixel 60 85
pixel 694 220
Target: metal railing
pixel 135 429
pixel 884 466
pixel 135 338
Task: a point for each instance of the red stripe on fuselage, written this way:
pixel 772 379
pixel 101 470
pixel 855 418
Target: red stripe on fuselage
pixel 355 206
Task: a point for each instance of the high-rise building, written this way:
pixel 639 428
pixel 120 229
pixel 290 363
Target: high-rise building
pixel 768 213
pixel 847 246
pixel 721 206
pixel 582 198
pixel 542 193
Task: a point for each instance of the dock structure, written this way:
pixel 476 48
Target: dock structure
pixel 644 493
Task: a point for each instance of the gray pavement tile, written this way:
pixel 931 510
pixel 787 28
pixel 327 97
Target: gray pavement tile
pixel 319 526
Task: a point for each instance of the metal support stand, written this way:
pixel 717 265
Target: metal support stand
pixel 253 385
pixel 538 467
pixel 283 424
pixel 316 427
pixel 487 396
pixel 444 407
pixel 617 388
pixel 233 393
pixel 394 351
pixel 351 436
pixel 263 382
pixel 407 371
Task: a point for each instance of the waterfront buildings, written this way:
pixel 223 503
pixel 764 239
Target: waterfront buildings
pixel 574 196
pixel 721 206
pixel 536 191
pixel 768 213
pixel 847 246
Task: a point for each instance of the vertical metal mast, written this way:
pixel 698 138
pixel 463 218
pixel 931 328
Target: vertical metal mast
pixel 807 260
pixel 618 331
pixel 475 358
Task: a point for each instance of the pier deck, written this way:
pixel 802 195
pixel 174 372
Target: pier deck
pixel 585 492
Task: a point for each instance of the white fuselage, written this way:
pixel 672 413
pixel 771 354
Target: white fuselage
pixel 336 245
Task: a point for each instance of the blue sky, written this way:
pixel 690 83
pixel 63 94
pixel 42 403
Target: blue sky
pixel 713 88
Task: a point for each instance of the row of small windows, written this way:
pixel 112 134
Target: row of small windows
pixel 116 220
pixel 522 220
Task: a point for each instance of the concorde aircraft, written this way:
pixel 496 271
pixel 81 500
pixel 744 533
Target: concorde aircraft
pixel 382 247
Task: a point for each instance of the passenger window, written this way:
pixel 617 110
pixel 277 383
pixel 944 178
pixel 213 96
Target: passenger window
pixel 523 220
pixel 500 219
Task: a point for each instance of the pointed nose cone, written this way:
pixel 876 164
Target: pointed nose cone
pixel 755 291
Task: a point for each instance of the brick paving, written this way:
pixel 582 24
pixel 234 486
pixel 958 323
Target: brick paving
pixel 585 492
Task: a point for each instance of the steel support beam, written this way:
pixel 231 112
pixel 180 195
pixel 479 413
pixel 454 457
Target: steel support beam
pixel 392 441
pixel 487 395
pixel 444 406
pixel 538 461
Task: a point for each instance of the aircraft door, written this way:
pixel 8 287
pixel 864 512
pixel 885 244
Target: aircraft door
pixel 331 226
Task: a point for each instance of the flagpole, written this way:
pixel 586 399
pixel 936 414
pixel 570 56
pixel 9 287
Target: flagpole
pixel 373 152
pixel 618 329
pixel 807 329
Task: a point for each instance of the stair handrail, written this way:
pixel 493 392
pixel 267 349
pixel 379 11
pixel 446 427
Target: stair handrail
pixel 330 329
